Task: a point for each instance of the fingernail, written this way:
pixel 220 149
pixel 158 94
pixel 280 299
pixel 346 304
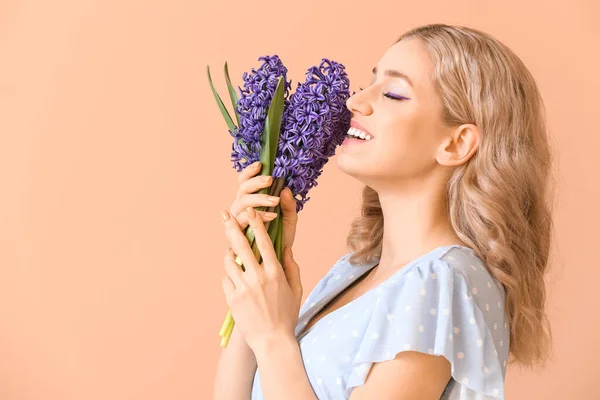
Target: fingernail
pixel 267 178
pixel 256 164
pixel 224 215
pixel 273 199
pixel 251 212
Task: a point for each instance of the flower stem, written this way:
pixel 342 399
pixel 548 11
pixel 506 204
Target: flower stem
pixel 227 336
pixel 277 187
pixel 228 320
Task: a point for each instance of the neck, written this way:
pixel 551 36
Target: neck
pixel 415 222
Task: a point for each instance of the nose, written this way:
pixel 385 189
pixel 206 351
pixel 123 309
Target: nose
pixel 359 103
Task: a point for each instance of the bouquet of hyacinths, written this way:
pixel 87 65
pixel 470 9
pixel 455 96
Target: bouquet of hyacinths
pixel 292 136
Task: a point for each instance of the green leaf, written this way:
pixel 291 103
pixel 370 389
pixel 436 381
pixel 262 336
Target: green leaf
pixel 224 111
pixel 232 94
pixel 270 136
pixel 269 142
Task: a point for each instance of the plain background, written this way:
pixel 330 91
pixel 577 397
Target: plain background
pixel 114 165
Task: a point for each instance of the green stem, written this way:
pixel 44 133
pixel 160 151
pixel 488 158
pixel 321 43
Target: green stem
pixel 228 320
pixel 225 339
pixel 277 188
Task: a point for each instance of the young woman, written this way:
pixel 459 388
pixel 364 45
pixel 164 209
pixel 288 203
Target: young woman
pixel 444 284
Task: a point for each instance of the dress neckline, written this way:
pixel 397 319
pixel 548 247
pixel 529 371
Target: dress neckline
pixel 363 269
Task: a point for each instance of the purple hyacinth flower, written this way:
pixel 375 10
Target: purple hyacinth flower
pixel 252 108
pixel 313 126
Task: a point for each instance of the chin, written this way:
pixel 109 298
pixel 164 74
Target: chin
pixel 352 167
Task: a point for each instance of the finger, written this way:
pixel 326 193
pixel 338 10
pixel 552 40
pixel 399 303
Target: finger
pixel 263 241
pixel 289 217
pixel 254 200
pixel 243 217
pixel 240 246
pixel 228 289
pixel 232 269
pixel 292 272
pixel 249 171
pixel 254 184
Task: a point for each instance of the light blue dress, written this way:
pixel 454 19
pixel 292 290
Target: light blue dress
pixel 444 302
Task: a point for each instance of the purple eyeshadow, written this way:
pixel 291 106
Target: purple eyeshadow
pixel 397 97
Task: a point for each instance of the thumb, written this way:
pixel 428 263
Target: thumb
pixel 289 216
pixel 288 204
pixel 292 273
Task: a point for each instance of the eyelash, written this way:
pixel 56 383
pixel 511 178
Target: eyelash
pixel 391 96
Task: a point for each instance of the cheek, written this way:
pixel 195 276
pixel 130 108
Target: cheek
pixel 402 137
pixel 408 146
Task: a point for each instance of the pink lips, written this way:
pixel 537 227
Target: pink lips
pixel 356 125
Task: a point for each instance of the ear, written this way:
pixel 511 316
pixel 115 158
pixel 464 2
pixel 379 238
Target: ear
pixel 459 146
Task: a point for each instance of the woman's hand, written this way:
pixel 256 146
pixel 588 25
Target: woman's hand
pixel 265 299
pixel 247 197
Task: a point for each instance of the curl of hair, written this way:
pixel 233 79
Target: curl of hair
pixel 500 201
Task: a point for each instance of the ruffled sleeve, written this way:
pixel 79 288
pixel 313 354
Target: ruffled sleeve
pixel 436 308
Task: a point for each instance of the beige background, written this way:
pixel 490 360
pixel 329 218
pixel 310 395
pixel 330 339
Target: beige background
pixel 114 164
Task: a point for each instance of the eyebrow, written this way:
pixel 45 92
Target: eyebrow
pixel 395 74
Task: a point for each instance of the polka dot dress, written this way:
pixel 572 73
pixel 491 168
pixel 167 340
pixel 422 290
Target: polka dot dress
pixel 442 303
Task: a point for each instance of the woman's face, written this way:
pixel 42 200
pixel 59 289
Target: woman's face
pixel 402 114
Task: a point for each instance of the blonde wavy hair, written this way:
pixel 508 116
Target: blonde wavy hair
pixel 499 202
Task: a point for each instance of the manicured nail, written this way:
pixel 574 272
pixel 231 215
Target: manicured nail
pixel 224 215
pixel 251 212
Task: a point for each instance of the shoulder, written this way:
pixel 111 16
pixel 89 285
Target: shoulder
pixel 465 262
pixel 473 284
pixel 461 287
pixel 459 268
pixel 449 270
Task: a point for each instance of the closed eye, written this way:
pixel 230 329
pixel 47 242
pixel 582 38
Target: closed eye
pixel 392 96
pixel 395 96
